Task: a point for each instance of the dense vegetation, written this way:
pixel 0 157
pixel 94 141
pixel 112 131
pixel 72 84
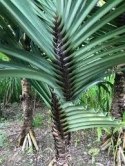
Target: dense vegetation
pixel 62 49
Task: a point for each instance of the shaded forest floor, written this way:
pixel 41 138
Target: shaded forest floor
pixel 85 149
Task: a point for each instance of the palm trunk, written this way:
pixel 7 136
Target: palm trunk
pixel 27 135
pixel 118 103
pixel 118 107
pixel 27 110
pixel 60 135
pixel 61 148
pixel 61 64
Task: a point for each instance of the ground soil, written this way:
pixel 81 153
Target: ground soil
pixel 82 146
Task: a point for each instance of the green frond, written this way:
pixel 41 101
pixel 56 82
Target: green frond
pixel 77 118
pixel 73 45
pixel 24 17
pixel 31 74
pixel 94 18
pixel 29 57
pixel 43 91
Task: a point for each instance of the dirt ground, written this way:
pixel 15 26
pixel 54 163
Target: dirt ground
pixel 85 149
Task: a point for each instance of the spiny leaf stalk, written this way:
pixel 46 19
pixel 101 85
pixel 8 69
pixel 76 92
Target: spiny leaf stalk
pixel 63 64
pixel 60 135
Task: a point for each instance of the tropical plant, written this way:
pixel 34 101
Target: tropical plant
pixel 81 44
pixel 115 138
pixel 10 90
pixel 98 97
pixel 27 135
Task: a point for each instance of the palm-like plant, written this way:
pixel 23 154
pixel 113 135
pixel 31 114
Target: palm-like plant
pixel 115 139
pixel 27 135
pixel 20 40
pixel 80 43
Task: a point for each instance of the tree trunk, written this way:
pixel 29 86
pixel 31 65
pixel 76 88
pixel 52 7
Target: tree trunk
pixel 117 139
pixel 60 135
pixel 61 148
pixel 118 103
pixel 27 110
pixel 27 135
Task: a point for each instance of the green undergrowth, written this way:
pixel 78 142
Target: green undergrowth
pixel 37 120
